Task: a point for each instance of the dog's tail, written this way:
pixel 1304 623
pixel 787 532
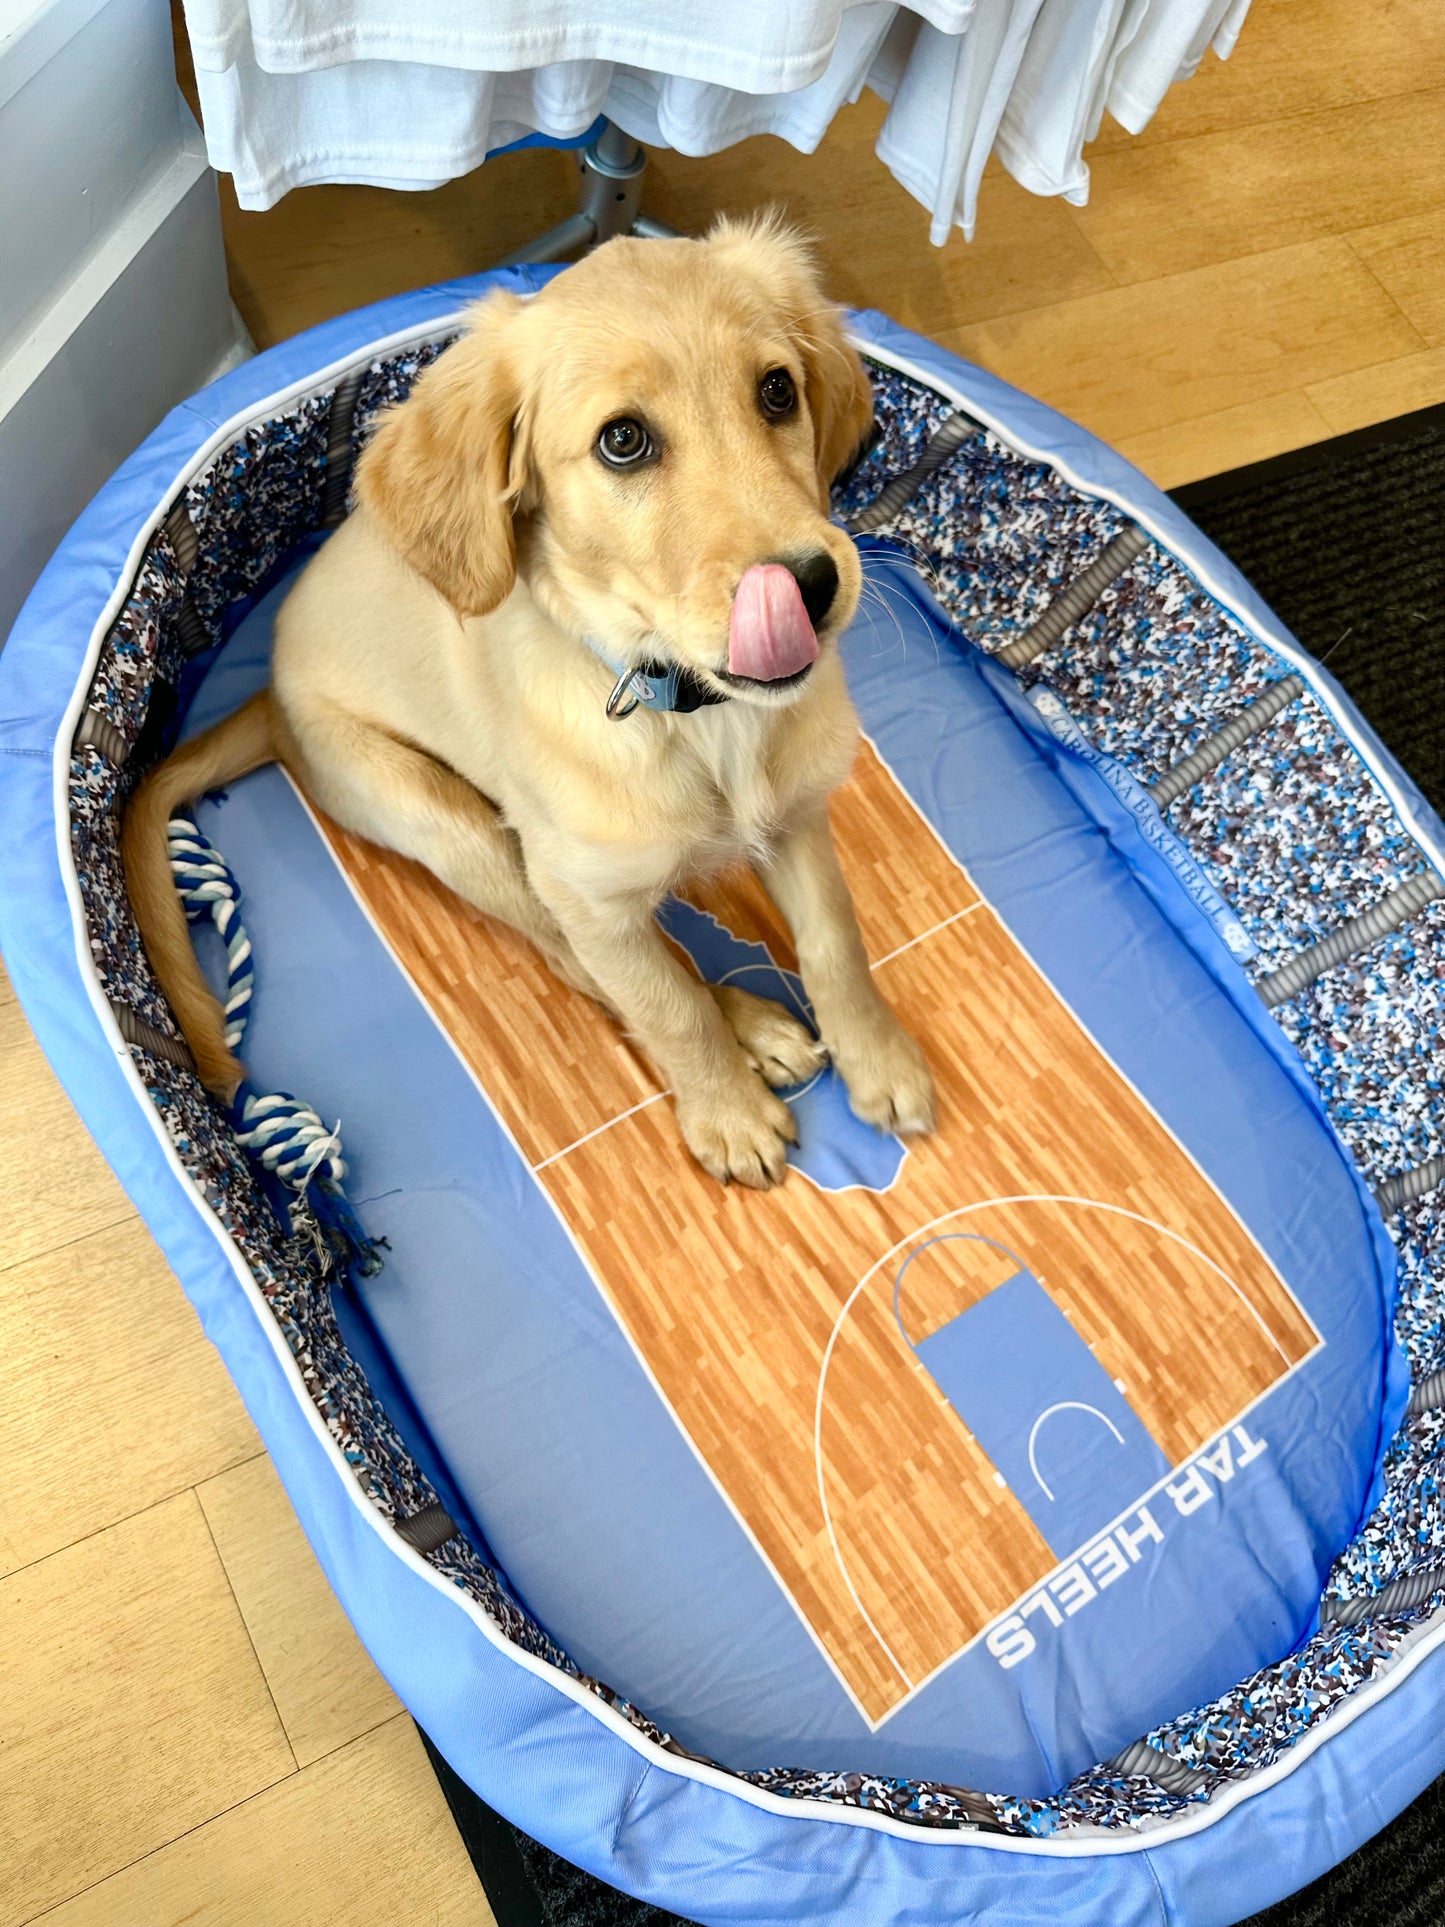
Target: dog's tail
pixel 241 743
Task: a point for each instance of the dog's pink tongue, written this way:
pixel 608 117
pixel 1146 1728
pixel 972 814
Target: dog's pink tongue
pixel 770 635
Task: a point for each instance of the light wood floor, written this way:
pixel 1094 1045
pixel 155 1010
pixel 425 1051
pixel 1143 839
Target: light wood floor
pixel 188 1729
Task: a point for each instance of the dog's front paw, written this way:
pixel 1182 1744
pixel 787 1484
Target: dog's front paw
pixel 778 1047
pixel 741 1133
pixel 889 1083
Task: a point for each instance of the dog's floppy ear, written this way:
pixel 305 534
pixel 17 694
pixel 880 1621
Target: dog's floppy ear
pixel 840 398
pixel 442 474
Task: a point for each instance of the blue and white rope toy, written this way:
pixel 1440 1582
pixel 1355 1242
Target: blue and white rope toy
pixel 210 893
pixel 285 1136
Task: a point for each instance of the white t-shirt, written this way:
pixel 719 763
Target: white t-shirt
pixel 1169 46
pixel 946 101
pixel 296 92
pixel 757 46
pixel 1084 55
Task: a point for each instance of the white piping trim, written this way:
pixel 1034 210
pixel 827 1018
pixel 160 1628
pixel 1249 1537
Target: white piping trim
pixel 794 1810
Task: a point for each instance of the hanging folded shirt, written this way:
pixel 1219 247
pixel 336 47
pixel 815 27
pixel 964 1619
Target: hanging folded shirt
pixel 757 46
pixel 947 94
pixel 416 123
pixel 300 92
pixel 1084 55
pixel 1168 47
pixel 1058 96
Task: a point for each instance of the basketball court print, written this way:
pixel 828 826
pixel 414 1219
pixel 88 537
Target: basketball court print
pixel 921 1377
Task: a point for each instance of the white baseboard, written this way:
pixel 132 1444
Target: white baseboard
pixel 113 296
pixel 148 323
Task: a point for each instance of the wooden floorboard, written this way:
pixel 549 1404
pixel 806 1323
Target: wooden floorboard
pixel 132 1706
pixel 1296 60
pixel 1377 393
pixel 1251 431
pixel 1165 210
pixel 1407 257
pixel 94 1340
pixel 1163 352
pixel 361 1837
pixel 324 1687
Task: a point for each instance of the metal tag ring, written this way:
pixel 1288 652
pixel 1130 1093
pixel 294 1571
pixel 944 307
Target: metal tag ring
pixel 620 688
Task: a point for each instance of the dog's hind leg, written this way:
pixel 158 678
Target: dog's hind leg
pixel 395 794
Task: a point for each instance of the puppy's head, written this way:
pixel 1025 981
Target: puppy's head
pixel 649 441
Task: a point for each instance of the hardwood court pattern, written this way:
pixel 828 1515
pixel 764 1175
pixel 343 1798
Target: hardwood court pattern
pixel 735 1298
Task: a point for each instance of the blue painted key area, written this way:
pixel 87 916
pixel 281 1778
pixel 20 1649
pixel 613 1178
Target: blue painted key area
pixel 1042 1407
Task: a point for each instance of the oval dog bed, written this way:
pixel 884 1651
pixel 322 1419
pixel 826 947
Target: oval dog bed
pixel 1040 1517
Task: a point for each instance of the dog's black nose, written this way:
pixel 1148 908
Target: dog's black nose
pixel 817 577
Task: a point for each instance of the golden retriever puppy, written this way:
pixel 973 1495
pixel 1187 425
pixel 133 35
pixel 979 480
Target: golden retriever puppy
pixel 628 471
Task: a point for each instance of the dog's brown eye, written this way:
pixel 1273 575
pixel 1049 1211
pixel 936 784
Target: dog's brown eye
pixel 777 393
pixel 623 442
